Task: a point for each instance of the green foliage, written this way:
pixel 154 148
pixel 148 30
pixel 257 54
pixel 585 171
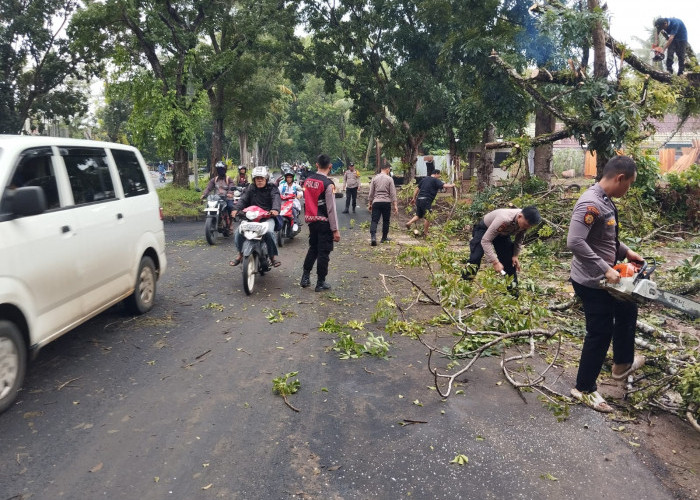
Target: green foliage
pixel 284 385
pixel 177 202
pixel 648 172
pixel 41 65
pixel 558 407
pixel 689 386
pixel 331 325
pixel 682 198
pixel 347 347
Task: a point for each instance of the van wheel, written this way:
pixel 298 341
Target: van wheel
pixel 144 296
pixel 13 363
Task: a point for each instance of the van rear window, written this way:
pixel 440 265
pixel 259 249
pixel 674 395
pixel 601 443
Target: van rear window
pixel 130 173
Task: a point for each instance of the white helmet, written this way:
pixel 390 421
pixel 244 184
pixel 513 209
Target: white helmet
pixel 260 172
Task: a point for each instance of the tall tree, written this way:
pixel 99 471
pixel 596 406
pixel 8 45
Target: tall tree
pixel 609 106
pixel 383 55
pixel 38 63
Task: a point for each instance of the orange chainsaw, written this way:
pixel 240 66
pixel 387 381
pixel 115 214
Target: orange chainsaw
pixel 636 285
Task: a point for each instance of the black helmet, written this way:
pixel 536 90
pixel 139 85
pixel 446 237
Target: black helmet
pixel 220 168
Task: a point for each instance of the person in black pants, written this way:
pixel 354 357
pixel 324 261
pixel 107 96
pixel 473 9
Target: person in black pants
pixel 322 218
pixel 594 241
pixel 382 194
pixel 351 183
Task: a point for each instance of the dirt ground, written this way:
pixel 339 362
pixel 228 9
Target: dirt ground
pixel 665 442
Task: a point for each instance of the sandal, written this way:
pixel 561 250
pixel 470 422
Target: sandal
pixel 275 263
pixel 638 362
pixel 234 263
pixel 593 400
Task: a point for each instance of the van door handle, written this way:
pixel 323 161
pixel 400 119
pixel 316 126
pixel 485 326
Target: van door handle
pixel 120 216
pixel 65 229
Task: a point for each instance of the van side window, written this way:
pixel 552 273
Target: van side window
pixel 35 169
pixel 130 172
pixel 89 175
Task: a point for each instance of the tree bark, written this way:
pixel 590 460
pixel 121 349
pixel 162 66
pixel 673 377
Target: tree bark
pixel 600 71
pixel 216 101
pixel 243 145
pixel 488 157
pixel 181 171
pixel 544 124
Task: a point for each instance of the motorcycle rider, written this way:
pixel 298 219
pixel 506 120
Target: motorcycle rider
pixel 242 180
pixel 288 186
pixel 265 195
pixel 224 187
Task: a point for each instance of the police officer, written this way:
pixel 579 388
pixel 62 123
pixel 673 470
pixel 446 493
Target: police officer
pixel 321 216
pixel 491 237
pixel 593 239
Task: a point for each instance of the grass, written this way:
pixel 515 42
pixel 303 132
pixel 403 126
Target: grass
pixel 179 202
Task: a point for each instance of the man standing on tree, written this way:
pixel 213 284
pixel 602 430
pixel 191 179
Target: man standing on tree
pixel 593 239
pixel 676 43
pixel 351 183
pixel 423 197
pixel 322 218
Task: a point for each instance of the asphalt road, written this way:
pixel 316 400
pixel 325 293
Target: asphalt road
pixel 178 403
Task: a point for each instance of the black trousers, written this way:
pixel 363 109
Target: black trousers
pixel 351 194
pixel 503 245
pixel 320 248
pixel 678 48
pixel 380 209
pixel 606 318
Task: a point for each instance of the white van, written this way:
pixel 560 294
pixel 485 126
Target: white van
pixel 81 229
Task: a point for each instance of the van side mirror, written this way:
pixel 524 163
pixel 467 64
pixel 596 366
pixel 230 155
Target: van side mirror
pixel 28 200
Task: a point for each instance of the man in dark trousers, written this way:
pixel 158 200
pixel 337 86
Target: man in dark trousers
pixel 491 238
pixel 676 43
pixel 593 239
pixel 382 195
pixel 322 218
pixel 423 197
pixel 351 183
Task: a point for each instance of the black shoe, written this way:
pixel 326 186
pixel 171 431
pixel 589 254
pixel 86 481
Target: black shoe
pixel 385 239
pixel 345 211
pixel 353 209
pixel 305 280
pixel 322 285
pixel 374 241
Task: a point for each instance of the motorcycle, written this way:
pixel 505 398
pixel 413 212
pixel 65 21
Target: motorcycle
pixel 255 257
pixel 218 216
pixel 287 230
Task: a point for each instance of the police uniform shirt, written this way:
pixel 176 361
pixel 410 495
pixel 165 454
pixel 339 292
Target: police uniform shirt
pixel 593 237
pixel 501 222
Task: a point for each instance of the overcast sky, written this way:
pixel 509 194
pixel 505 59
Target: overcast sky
pixel 630 18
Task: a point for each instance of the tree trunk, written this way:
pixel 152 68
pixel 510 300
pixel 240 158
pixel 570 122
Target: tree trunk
pixel 454 159
pixel 369 150
pixel 488 157
pixel 600 71
pixel 181 171
pixel 216 101
pixel 544 124
pixel 243 145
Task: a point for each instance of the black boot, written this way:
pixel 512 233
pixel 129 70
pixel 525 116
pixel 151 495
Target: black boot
pixel 305 279
pixel 345 211
pixel 353 209
pixel 385 239
pixel 322 285
pixel 374 239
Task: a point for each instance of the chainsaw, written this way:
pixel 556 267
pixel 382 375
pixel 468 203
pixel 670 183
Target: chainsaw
pixel 636 285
